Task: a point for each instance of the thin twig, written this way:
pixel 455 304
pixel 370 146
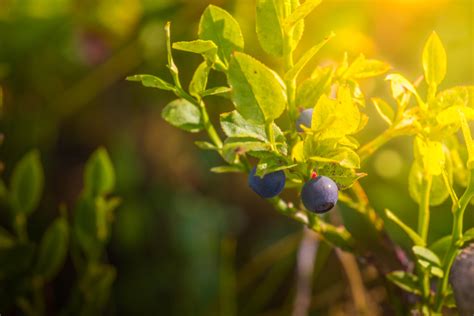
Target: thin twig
pixel 304 272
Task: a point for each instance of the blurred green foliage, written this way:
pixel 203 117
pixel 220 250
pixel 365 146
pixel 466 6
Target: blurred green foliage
pixel 62 65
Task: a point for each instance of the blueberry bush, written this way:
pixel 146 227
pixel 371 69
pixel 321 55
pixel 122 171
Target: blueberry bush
pixel 29 264
pixel 293 131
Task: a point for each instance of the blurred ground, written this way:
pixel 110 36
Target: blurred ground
pixel 183 236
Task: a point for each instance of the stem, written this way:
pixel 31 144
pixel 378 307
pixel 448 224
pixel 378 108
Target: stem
pixel 313 222
pixel 270 135
pixel 456 237
pixel 304 274
pixel 358 291
pixel 424 209
pixel 211 131
pixel 208 126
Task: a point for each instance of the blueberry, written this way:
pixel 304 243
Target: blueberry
pixel 269 185
pixel 462 280
pixel 319 194
pixel 304 119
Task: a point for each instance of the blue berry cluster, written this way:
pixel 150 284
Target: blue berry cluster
pixel 319 194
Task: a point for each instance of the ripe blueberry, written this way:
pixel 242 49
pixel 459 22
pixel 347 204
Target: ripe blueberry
pixel 319 194
pixel 462 281
pixel 269 185
pixel 304 119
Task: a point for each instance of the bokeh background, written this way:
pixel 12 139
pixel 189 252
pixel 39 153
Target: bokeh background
pixel 186 241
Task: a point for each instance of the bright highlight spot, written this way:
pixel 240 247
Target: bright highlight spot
pixel 388 164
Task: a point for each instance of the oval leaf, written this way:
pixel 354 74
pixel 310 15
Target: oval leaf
pixel 27 183
pixel 438 194
pixel 53 249
pixel 434 60
pixel 405 281
pixel 257 92
pixel 385 110
pixel 219 26
pixel 184 115
pixel 199 81
pixel 269 28
pixel 99 175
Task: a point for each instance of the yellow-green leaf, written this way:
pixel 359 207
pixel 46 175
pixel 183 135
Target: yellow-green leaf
pixel 219 26
pixel 257 91
pixel 385 110
pixel 301 12
pixel 434 60
pixel 366 68
pixel 310 90
pixel 53 249
pixel 199 81
pixel 183 114
pixel 293 72
pixel 27 183
pixel 431 154
pixel 269 28
pixel 206 48
pixel 99 175
pixel 152 82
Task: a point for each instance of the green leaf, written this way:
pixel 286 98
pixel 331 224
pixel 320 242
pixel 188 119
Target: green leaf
pixel 438 193
pixel 219 26
pixel 273 164
pixel 365 68
pixel 235 147
pixel 427 255
pixel 226 169
pixel 199 81
pixel 468 236
pixel 205 145
pixel 53 249
pixel 219 91
pixel 449 300
pixel 269 28
pixel 344 177
pixel 451 116
pixel 184 115
pixel 417 240
pixel 85 227
pixel 347 158
pixel 456 96
pixel 401 86
pixel 293 72
pixel 310 90
pixel 434 60
pixel 99 174
pixel 336 118
pixel 26 184
pixel 431 154
pixel 297 31
pixel 152 82
pixel 207 49
pixel 234 125
pixel 301 12
pixel 385 110
pixel 257 92
pixel 96 286
pixel 404 280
